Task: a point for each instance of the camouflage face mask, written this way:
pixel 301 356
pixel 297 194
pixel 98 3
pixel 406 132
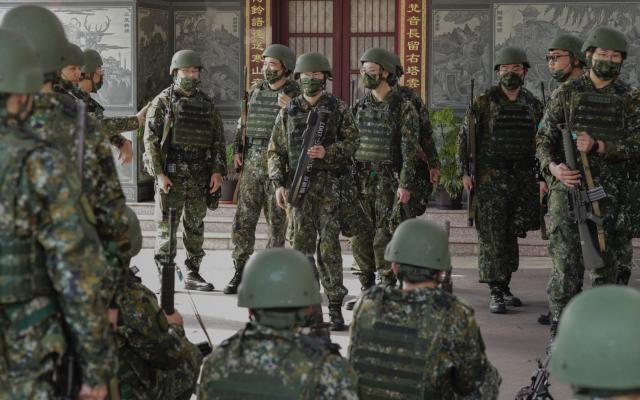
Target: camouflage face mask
pixel 371 81
pixel 559 75
pixel 606 70
pixel 511 80
pixel 271 76
pixel 187 84
pixel 311 86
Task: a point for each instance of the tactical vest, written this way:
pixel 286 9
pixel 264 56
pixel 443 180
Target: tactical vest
pixel 599 114
pixel 192 124
pixel 263 110
pixel 511 134
pixel 23 273
pixel 246 382
pixel 393 360
pixel 378 126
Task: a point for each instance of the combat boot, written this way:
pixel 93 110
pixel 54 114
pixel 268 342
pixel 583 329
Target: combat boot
pixel 545 319
pixel 232 287
pixel 366 281
pixel 193 280
pixel 509 299
pixel 496 304
pixel 335 314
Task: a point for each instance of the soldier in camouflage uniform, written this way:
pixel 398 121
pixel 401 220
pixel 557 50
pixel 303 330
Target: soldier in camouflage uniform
pixel 49 269
pixel 90 82
pixel 385 163
pixel 270 358
pixel 611 141
pixel 187 159
pixel 55 119
pixel 70 73
pixel 507 190
pixel 419 342
pixel 316 218
pixel 566 62
pixel 157 361
pixel 256 192
pixel 585 356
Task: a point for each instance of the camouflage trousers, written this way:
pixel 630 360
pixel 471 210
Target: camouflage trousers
pixel 188 196
pixel 256 193
pixel 567 275
pixel 316 223
pixel 377 191
pixel 31 339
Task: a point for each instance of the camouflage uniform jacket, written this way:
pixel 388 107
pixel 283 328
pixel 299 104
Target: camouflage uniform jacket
pixel 109 126
pixel 456 360
pixel 427 145
pixel 54 119
pixel 216 158
pixel 147 344
pixel 406 129
pixel 44 205
pixel 340 140
pixel 482 108
pixel 262 357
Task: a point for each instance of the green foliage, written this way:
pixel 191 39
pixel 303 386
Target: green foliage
pixel 231 171
pixel 446 128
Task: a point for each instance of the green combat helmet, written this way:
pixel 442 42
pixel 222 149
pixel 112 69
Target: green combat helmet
pixel 134 233
pixel 511 55
pixel 185 59
pixel 76 55
pixel 92 61
pixel 282 53
pixel 608 38
pixel 312 62
pixel 597 349
pixel 21 72
pixel 44 31
pixel 380 57
pixel 570 43
pixel 418 246
pixel 278 278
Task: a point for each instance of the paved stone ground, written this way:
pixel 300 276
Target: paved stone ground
pixel 513 340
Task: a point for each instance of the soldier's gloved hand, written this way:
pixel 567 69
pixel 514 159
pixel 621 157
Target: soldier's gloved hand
pixel 89 393
pixel 175 318
pixel 544 189
pixel 403 195
pixel 237 161
pixel 466 182
pixel 316 152
pixel 434 176
pixel 281 197
pixel 164 183
pixel 283 100
pixel 142 114
pixel 215 182
pixel 568 177
pixel 126 152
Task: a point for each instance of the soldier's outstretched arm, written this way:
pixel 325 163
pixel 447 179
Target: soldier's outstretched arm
pixel 74 262
pixel 409 131
pixel 348 141
pixel 277 151
pixel 153 134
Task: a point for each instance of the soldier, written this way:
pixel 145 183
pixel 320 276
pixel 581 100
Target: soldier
pixel 418 342
pixel 157 361
pixel 610 139
pixel 597 350
pixel 184 151
pixel 566 62
pixel 90 82
pixel 270 358
pixel 49 271
pixel 256 192
pixel 385 163
pixel 507 188
pixel 316 218
pixel 70 73
pixel 58 119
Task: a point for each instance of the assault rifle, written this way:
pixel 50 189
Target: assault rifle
pixel 472 155
pixel 539 387
pixel 544 198
pixel 582 201
pixel 312 135
pixel 168 286
pixel 244 109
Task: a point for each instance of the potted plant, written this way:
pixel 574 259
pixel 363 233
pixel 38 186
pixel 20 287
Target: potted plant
pixel 230 181
pixel 446 127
